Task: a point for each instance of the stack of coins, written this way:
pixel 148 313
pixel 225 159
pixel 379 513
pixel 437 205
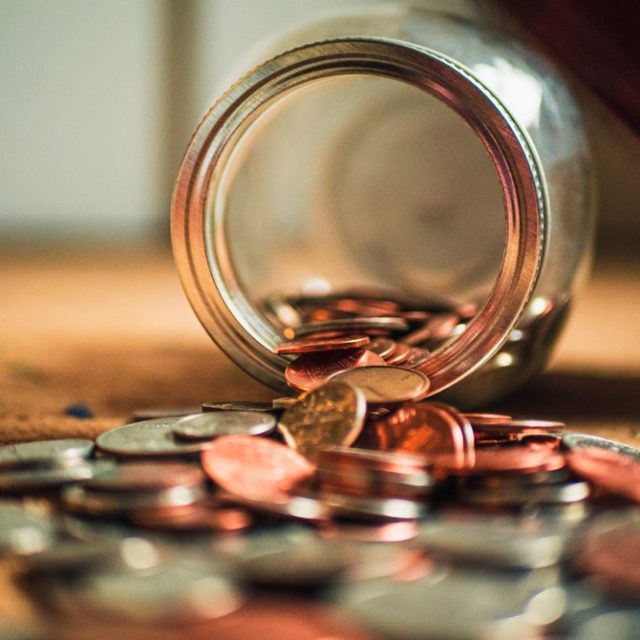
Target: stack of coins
pixel 353 509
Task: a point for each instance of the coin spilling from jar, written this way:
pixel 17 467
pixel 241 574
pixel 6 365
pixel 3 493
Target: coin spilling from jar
pixel 354 508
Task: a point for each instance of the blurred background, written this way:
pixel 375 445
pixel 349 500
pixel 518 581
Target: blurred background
pixel 99 100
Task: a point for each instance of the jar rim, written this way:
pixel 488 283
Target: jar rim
pixel 202 259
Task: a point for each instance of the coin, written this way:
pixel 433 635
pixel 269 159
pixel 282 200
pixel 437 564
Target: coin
pixel 313 345
pixel 24 531
pixel 522 459
pixel 301 508
pixel 153 413
pixel 332 414
pixel 44 452
pixel 42 479
pixel 145 476
pixel 372 508
pixel 416 357
pixel 480 419
pixel 254 467
pixel 561 493
pixel 242 405
pixel 193 518
pixel 351 325
pixel 382 346
pixel 311 370
pixel 149 438
pixel 399 354
pixel 224 423
pixel 386 384
pixel 575 441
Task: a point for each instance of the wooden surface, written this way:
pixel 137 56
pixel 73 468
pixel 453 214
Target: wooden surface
pixel 112 330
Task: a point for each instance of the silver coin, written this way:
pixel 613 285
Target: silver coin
pixel 44 452
pixel 224 423
pixel 455 606
pixel 78 499
pixel 496 543
pixel 262 407
pixel 385 384
pixel 371 508
pixel 41 479
pixel 24 531
pixel 170 593
pixel 150 438
pixel 579 440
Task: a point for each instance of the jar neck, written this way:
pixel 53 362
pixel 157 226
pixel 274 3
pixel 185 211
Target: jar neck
pixel 199 206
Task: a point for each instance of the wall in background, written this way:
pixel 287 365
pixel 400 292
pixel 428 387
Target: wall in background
pixel 99 99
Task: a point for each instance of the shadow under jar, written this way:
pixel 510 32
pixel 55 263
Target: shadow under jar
pixel 407 154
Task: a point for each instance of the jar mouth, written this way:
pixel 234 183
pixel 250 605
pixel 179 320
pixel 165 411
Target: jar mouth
pixel 198 212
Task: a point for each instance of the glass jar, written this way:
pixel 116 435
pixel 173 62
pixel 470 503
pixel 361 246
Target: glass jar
pixel 395 150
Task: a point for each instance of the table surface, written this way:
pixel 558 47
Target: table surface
pixel 112 330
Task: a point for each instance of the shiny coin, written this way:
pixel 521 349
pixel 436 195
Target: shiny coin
pixel 521 427
pixel 416 358
pixel 44 453
pixel 311 370
pixel 23 531
pixel 382 346
pixel 262 407
pixel 437 431
pixel 42 479
pixel 254 467
pixel 350 325
pixel 399 354
pixel 313 345
pixel 372 508
pixel 150 438
pixel 209 425
pixel 332 414
pixel 386 384
pixel 613 470
pixel 480 419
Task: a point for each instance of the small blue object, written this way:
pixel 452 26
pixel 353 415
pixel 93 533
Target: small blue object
pixel 81 411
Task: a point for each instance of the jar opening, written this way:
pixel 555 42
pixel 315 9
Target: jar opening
pixel 309 177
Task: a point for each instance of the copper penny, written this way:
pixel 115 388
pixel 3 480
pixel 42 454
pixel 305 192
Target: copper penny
pixel 145 476
pixel 518 428
pixel 480 419
pixel 332 414
pixel 311 370
pixel 522 459
pixel 399 355
pixel 313 345
pixel 385 323
pixel 192 518
pixel 386 384
pixel 254 467
pixel 612 471
pixel 425 428
pixel 416 357
pixel 382 346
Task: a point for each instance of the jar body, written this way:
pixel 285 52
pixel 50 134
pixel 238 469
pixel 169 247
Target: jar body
pixel 395 149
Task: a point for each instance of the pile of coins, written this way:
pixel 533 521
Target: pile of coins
pixel 355 509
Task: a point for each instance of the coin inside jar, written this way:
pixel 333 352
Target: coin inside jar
pixel 311 370
pixel 332 414
pixel 386 384
pixel 213 424
pixel 314 345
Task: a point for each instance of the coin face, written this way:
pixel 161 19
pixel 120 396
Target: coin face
pixel 311 370
pixel 212 424
pixel 254 467
pixel 39 452
pixel 387 384
pixel 149 438
pixel 332 414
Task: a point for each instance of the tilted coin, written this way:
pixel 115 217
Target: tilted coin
pixel 314 345
pixel 149 438
pixel 351 325
pixel 399 354
pixel 44 452
pixel 416 357
pixel 241 405
pixel 311 370
pixel 23 530
pixel 224 423
pixel 382 346
pixel 386 384
pixel 332 414
pixel 254 467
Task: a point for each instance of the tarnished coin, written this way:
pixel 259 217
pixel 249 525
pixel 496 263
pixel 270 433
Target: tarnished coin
pixel 314 345
pixel 311 370
pixel 332 414
pixel 242 405
pixel 23 531
pixel 213 424
pixel 150 438
pixel 254 467
pixel 386 384
pixel 44 453
pixel 351 325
